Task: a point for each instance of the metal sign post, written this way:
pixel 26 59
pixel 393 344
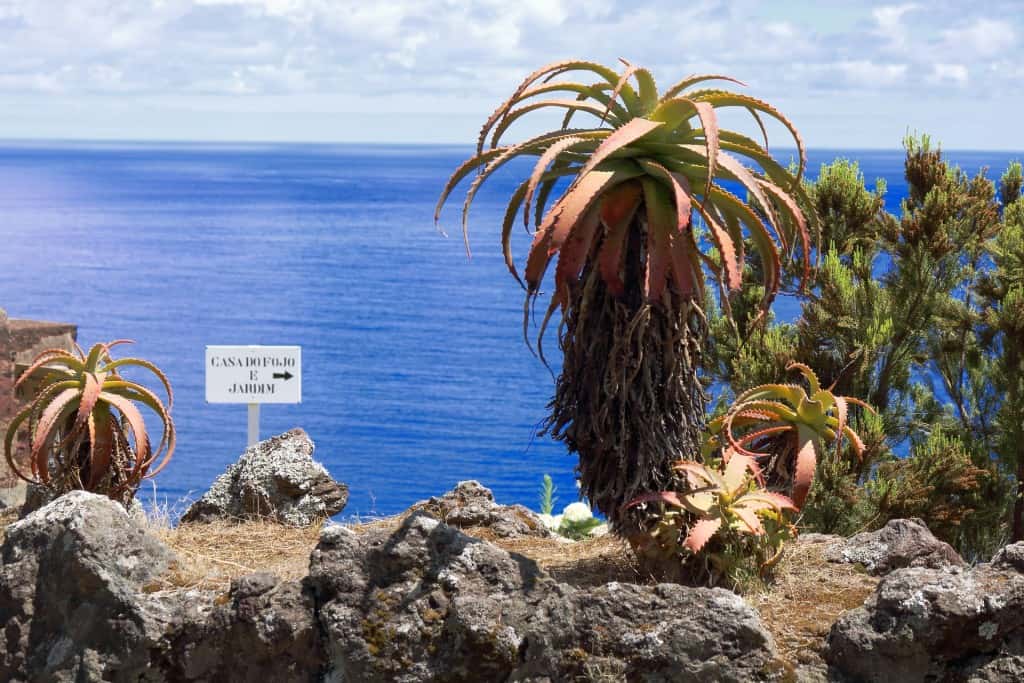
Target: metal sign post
pixel 254 375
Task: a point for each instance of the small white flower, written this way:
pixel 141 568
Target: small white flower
pixel 577 512
pixel 551 522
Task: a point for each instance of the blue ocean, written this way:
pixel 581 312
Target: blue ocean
pixel 415 373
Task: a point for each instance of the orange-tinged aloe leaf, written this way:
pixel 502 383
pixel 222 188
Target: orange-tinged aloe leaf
pixel 693 80
pixel 686 273
pixel 661 224
pixel 763 500
pixel 647 91
pixel 697 474
pixel 548 70
pixel 47 357
pixel 573 254
pixel 699 502
pixel 583 92
pixel 841 410
pixel 723 242
pixel 808 374
pixel 549 155
pixel 760 124
pixel 152 367
pixel 101 436
pixel 516 114
pixel 709 122
pixel 460 173
pixel 46 429
pixel 749 519
pixel 806 460
pixel 618 206
pixel 506 229
pixel 735 474
pixel 789 204
pixel 622 83
pixel 630 132
pixel 91 387
pixel 12 429
pixel 137 425
pixel 724 98
pixel 701 533
pixel 666 497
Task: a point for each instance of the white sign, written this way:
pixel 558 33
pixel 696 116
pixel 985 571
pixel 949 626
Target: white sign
pixel 254 374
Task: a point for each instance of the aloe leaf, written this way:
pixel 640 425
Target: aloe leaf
pixel 549 155
pixel 806 459
pixel 751 522
pixel 548 70
pixel 152 367
pixel 571 105
pixel 701 533
pixel 47 357
pixel 667 497
pixel 693 80
pixel 618 206
pixel 137 424
pixel 724 98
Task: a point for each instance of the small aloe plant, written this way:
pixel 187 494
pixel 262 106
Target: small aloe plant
pixel 85 425
pixel 786 420
pixel 722 498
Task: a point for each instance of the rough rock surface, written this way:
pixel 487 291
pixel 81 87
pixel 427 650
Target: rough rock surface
pixel 471 504
pixel 900 543
pixel 265 631
pixel 74 608
pixel 277 479
pixel 70 587
pixel 948 624
pixel 428 603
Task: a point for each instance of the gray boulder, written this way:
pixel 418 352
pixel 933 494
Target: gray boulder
pixel 471 504
pixel 70 593
pixel 274 479
pixel 1010 557
pixel 429 603
pixel 900 543
pixel 264 630
pixel 948 624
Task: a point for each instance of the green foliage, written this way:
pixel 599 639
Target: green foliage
pixel 922 314
pixel 85 427
pixel 547 496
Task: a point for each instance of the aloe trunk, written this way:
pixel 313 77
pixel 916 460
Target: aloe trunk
pixel 628 400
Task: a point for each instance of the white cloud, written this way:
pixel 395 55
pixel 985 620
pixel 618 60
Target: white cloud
pixel 345 56
pixel 984 37
pixel 949 73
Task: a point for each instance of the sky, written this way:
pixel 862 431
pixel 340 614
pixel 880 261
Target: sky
pixel 849 74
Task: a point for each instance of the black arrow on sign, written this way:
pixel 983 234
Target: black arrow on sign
pixel 283 375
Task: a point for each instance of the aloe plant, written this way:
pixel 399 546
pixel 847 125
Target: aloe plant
pixel 613 200
pixel 787 424
pixel 86 430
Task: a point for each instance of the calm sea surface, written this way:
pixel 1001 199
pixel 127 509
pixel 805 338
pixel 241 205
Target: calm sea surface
pixel 415 373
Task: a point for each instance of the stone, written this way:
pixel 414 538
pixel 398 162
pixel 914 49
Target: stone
pixel 429 603
pixel 942 624
pixel 265 630
pixel 1010 557
pixel 900 543
pixel 471 505
pixel 70 587
pixel 275 479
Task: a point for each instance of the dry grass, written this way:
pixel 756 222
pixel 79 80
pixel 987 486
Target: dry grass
pixel 806 597
pixel 210 555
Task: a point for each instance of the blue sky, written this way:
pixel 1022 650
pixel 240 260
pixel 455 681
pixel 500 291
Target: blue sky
pixel 849 74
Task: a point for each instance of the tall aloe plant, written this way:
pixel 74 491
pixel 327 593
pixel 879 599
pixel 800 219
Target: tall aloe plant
pixel 614 201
